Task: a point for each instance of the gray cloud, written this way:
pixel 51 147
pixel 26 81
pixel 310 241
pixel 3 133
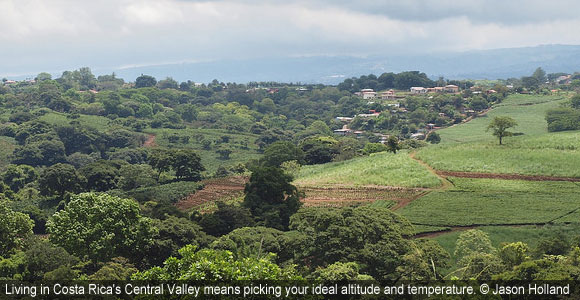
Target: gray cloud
pixel 39 35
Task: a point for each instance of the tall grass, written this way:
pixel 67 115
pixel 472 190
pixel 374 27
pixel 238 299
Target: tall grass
pixel 384 169
pixel 493 201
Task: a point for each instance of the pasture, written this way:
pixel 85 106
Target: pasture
pixel 480 202
pixel 378 169
pixel 469 148
pixel 242 145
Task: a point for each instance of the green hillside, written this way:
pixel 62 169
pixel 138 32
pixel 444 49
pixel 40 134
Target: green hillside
pixel 534 151
pixel 385 169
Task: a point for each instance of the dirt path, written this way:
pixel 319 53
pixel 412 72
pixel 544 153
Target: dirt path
pixel 445 184
pixel 507 176
pixel 405 202
pixel 214 190
pixel 150 142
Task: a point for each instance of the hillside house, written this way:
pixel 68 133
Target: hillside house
pixel 390 94
pixel 451 88
pixel 418 136
pixel 368 94
pixel 344 119
pixel 437 89
pixel 418 90
pixel 344 131
pixel 564 79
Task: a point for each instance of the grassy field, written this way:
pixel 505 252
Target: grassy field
pixel 210 158
pixel 492 201
pixel 528 110
pixel 98 122
pixel 383 169
pixel 469 148
pixel 7 145
pixel 530 235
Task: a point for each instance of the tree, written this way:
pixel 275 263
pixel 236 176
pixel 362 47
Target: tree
pixel 280 152
pixel 433 138
pixel 16 176
pixel 393 144
pixel 374 148
pixel 575 101
pixel 339 271
pixel 500 125
pixel 15 227
pixel 319 150
pixel 162 160
pixel 255 241
pixel 374 237
pixel 187 165
pixel 145 81
pixel 167 83
pixel 225 219
pixel 60 178
pixel 135 176
pixel 540 75
pixel 174 233
pixel 101 175
pixel 473 241
pixel 271 198
pixel 43 257
pixel 101 227
pixel 216 265
pixel 119 268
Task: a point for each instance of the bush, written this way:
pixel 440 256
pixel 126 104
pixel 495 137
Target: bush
pixel 171 192
pixel 561 119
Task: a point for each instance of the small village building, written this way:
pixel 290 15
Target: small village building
pixel 368 94
pixel 344 119
pixel 390 94
pixel 344 131
pixel 437 89
pixel 418 90
pixel 451 88
pixel 418 136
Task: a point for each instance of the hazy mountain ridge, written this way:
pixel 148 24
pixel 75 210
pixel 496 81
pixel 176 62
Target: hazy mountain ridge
pixel 481 64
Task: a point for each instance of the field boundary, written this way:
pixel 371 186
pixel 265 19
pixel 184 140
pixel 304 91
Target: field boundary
pixel 506 176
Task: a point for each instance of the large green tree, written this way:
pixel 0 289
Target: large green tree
pixel 145 81
pixel 15 227
pixel 500 125
pixel 217 265
pixel 187 165
pixel 60 178
pixel 271 197
pixel 282 151
pixel 100 227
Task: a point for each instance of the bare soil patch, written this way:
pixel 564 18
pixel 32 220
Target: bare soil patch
pixel 214 190
pixel 150 141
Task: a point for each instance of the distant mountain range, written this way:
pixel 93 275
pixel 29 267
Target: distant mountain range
pixel 483 64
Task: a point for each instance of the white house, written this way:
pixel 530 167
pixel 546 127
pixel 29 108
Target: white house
pixel 390 94
pixel 418 90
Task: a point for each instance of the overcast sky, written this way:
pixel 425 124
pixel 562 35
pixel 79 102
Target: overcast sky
pixel 56 35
